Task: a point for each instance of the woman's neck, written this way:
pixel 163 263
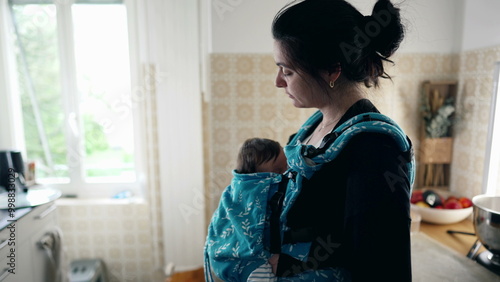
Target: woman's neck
pixel 332 112
pixel 338 106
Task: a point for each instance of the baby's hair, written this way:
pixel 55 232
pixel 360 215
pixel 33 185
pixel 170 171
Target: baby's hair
pixel 256 151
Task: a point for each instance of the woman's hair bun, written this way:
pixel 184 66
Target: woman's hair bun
pixel 320 35
pixel 384 27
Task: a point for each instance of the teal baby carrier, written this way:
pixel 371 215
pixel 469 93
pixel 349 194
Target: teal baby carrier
pixel 239 230
pixel 303 162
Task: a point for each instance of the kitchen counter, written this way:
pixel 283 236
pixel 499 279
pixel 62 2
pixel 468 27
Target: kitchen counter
pixel 441 257
pixel 24 202
pixel 458 242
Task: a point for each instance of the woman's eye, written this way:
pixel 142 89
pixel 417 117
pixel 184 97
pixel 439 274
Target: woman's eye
pixel 286 72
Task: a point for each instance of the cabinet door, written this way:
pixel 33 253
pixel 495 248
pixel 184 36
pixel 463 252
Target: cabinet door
pixel 31 263
pixel 41 259
pixel 21 266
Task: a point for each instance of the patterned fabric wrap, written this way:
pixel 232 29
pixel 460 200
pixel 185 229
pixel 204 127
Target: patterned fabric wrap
pixel 306 167
pixel 238 235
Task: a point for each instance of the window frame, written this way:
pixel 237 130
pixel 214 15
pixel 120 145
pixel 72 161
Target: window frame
pixel 77 186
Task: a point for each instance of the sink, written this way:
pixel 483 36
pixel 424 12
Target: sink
pixel 36 195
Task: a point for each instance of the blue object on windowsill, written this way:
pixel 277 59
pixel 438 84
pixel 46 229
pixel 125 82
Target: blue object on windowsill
pixel 123 195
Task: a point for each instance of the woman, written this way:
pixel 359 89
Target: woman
pixel 353 212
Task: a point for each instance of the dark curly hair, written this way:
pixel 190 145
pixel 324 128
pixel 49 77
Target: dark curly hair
pixel 321 35
pixel 256 151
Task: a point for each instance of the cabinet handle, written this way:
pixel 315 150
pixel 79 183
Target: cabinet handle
pixel 4 274
pixel 46 212
pixel 3 244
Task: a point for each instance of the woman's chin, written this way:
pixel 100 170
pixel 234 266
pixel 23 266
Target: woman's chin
pixel 296 104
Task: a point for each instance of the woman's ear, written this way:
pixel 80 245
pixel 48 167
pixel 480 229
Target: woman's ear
pixel 334 74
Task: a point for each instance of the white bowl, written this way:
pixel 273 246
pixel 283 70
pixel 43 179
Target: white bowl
pixel 442 216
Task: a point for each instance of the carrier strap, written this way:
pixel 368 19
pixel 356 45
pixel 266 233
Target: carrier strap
pixel 331 137
pixel 276 207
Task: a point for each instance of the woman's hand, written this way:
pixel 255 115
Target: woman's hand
pixel 273 261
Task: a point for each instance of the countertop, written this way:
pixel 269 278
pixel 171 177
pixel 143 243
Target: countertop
pixel 459 242
pixel 441 257
pixel 23 202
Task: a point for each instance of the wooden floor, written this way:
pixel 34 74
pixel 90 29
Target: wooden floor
pixel 188 276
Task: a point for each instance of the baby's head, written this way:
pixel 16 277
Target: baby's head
pixel 261 155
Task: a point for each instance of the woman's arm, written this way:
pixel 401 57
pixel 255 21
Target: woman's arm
pixel 377 220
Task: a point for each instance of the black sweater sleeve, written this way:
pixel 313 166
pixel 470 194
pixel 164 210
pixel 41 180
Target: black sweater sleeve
pixel 377 220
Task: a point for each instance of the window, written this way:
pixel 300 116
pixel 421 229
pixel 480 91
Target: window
pixel 491 181
pixel 73 68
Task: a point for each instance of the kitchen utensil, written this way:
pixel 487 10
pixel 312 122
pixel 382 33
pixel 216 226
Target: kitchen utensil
pixel 487 227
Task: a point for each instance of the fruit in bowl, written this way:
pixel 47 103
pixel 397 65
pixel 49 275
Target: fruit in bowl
pixel 440 207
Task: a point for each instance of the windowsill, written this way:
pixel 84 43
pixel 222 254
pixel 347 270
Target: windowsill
pixel 98 201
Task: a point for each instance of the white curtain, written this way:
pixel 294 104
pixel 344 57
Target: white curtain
pixel 169 48
pixel 11 138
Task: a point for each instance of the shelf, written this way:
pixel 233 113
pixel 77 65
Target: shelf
pixel 435 154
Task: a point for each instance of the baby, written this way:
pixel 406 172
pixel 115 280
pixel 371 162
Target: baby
pixel 260 164
pixel 261 155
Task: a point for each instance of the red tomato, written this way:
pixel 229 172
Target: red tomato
pixel 417 196
pixel 453 205
pixel 466 202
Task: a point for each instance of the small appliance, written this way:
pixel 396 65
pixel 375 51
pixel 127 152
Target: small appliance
pixel 12 171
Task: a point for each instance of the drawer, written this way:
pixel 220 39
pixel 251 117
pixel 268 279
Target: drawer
pixel 5 234
pixel 41 217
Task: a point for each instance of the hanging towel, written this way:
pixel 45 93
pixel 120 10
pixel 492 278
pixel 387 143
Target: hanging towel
pixel 51 243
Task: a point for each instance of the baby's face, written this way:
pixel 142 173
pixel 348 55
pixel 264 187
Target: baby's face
pixel 277 165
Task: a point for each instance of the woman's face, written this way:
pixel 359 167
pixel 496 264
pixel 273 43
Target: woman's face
pixel 300 87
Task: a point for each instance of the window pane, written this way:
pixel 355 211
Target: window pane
pixel 40 89
pixel 103 73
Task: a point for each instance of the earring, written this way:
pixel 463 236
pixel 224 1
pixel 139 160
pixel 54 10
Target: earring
pixel 332 84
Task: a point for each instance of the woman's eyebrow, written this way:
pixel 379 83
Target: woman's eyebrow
pixel 280 64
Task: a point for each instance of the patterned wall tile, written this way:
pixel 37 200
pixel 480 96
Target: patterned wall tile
pixel 473 106
pixel 116 233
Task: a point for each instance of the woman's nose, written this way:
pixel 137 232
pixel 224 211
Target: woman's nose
pixel 279 82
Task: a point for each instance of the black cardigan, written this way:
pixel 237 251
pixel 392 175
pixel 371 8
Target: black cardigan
pixel 357 207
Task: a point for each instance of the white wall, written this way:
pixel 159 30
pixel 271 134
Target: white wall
pixel 244 26
pixel 481 24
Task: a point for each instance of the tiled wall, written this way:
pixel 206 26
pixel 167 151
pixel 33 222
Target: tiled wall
pixel 474 99
pixel 117 232
pixel 245 103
